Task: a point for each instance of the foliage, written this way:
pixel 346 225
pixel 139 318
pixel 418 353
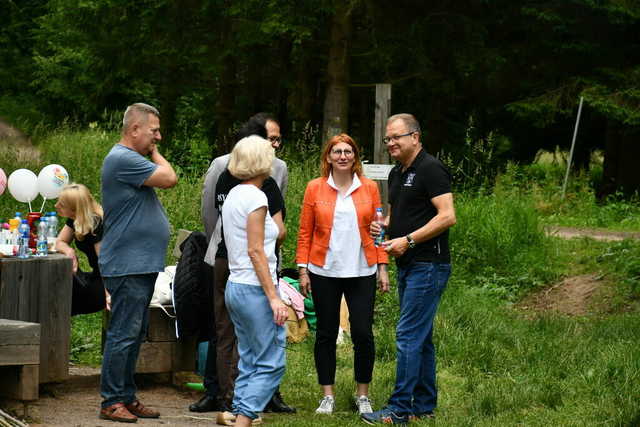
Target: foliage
pixel 542 183
pixel 498 243
pixel 623 259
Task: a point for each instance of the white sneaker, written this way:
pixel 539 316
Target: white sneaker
pixel 364 405
pixel 327 405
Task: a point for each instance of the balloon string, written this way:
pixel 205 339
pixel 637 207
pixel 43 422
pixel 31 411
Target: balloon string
pixel 30 206
pixel 43 202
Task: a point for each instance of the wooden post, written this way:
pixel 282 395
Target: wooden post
pixel 380 153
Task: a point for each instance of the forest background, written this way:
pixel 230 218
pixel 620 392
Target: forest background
pixel 515 69
pixel 494 84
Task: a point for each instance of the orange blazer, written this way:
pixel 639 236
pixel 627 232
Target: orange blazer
pixel 316 220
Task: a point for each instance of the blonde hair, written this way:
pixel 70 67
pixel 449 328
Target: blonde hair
pixel 88 213
pixel 251 157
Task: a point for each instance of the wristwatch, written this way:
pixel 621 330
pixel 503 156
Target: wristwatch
pixel 412 243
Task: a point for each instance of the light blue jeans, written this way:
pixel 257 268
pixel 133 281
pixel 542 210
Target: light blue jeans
pixel 420 287
pixel 128 323
pixel 261 347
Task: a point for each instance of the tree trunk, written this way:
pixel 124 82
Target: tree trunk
pixel 303 94
pixel 622 150
pixel 227 90
pixel 336 103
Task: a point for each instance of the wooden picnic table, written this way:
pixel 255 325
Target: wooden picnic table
pixel 38 290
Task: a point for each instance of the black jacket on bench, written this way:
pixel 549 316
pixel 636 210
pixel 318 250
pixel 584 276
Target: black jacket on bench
pixel 193 289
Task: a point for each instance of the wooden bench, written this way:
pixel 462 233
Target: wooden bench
pixel 19 359
pixel 162 352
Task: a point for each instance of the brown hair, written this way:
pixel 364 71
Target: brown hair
pixel 325 166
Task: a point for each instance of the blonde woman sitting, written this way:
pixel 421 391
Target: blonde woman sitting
pixel 84 227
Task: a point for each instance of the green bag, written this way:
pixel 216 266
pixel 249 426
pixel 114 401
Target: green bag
pixel 309 309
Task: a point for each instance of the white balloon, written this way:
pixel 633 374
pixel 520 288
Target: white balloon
pixel 23 185
pixel 51 179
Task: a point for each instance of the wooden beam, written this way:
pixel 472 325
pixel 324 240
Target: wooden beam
pixel 380 153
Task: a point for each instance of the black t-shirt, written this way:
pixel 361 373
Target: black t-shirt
pixel 410 194
pixel 86 245
pixel 269 187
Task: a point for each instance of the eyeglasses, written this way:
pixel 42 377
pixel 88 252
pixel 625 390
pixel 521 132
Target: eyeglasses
pixel 396 138
pixel 339 153
pixel 277 139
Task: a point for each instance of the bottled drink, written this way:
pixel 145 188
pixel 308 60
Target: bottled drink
pixel 52 221
pixel 23 249
pixel 43 230
pixel 15 222
pixel 379 218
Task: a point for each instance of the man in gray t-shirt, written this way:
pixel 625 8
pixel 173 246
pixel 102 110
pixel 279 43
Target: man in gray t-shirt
pixel 132 252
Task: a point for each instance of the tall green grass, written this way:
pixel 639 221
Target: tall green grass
pixel 496 365
pixel 500 244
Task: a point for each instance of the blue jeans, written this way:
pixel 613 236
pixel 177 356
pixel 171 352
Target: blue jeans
pixel 261 347
pixel 420 287
pixel 128 323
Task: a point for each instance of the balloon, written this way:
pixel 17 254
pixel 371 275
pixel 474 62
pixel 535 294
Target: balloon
pixel 51 179
pixel 3 181
pixel 23 185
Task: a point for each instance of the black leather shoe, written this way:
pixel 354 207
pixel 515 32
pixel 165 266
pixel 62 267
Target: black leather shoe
pixel 206 404
pixel 276 404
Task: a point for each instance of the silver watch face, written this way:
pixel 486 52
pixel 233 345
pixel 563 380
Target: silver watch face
pixel 411 242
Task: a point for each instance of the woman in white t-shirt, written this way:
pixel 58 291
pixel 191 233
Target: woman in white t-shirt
pixel 251 295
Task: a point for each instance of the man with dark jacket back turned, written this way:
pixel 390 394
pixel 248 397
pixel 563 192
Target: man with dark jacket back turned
pixel 136 234
pixel 422 212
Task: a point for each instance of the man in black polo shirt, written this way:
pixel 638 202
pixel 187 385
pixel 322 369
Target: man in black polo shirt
pixel 421 212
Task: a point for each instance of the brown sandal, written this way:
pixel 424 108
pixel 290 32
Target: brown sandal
pixel 117 412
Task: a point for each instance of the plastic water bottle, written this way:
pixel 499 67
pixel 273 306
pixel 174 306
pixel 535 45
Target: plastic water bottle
pixel 43 230
pixel 379 218
pixel 52 221
pixel 23 249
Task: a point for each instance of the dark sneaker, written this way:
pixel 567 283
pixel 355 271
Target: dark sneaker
pixel 422 416
pixel 384 416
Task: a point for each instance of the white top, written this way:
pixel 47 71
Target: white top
pixel 240 202
pixel 345 257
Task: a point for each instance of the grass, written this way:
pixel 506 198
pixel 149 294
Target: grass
pixel 496 366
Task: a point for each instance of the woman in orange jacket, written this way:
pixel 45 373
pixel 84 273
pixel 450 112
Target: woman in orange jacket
pixel 336 255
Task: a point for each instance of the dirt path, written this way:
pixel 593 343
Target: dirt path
pixel 597 234
pixel 76 403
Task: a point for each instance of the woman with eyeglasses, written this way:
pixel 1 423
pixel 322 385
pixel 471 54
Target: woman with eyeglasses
pixel 84 228
pixel 336 256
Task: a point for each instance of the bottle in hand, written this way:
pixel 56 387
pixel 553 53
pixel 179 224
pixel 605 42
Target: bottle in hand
pixel 379 219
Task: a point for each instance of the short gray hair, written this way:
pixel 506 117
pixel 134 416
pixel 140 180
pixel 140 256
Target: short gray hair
pixel 139 109
pixel 409 121
pixel 251 157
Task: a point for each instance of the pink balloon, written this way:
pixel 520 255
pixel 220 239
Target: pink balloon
pixel 3 181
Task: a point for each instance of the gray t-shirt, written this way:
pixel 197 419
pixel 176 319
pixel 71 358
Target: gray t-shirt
pixel 136 229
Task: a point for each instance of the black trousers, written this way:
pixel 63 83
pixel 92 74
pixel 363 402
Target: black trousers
pixel 360 295
pixel 87 294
